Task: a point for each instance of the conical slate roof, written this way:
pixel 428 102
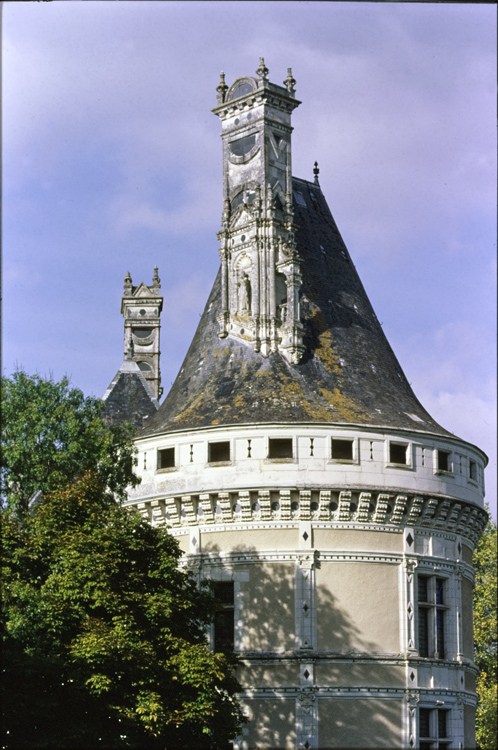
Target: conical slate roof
pixel 129 397
pixel 348 375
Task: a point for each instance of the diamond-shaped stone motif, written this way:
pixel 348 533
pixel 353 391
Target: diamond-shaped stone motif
pixel 306 608
pixel 459 548
pixel 305 535
pixel 412 676
pixel 306 673
pixel 411 742
pixel 194 541
pixel 307 745
pixel 409 539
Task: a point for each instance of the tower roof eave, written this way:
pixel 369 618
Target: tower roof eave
pixel 348 375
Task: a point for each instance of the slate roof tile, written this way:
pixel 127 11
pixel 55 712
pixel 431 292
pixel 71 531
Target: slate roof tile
pixel 348 375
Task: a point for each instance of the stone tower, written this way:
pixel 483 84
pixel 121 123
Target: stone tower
pixel 260 270
pixel 141 308
pixel 134 393
pixel 299 472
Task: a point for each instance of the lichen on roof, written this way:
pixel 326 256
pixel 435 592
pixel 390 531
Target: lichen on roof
pixel 348 375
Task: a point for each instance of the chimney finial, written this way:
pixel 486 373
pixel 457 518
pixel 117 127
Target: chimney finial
pixel 290 83
pixel 262 71
pixel 222 88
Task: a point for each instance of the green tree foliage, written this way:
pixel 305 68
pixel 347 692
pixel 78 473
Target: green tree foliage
pixel 485 637
pixel 104 636
pixel 51 434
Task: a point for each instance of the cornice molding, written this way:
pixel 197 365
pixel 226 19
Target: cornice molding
pixel 411 695
pixel 333 508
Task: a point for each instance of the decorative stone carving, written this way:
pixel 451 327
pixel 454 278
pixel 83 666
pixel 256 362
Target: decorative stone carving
pixel 410 564
pixel 257 217
pixel 141 308
pixel 412 699
pixel 244 295
pixel 307 697
pixel 471 520
pixel 307 560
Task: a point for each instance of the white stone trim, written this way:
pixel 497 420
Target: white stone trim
pixel 293 555
pixel 305 602
pixel 392 511
pixel 307 718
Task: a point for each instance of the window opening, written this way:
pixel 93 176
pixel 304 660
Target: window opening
pixel 280 448
pixel 242 146
pixel 241 90
pixel 433 729
pixel 166 458
pixel 299 198
pixel 224 630
pixel 473 470
pixel 398 454
pixel 342 450
pixel 142 333
pixel 443 461
pixel 431 616
pixel 219 452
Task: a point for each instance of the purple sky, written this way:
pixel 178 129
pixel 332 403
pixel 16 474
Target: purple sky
pixel 112 163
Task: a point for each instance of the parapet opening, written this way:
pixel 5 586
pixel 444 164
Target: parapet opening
pixel 166 458
pixel 398 453
pixel 280 448
pixel 219 452
pixel 342 450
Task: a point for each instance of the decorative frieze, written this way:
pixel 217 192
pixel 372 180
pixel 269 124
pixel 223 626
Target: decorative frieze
pixel 304 504
pixel 188 507
pixel 206 508
pixel 344 506
pixel 264 503
pixel 381 508
pixel 429 512
pixel 224 502
pixel 324 505
pixel 340 508
pixel 400 505
pixel 245 505
pixel 364 506
pixel 415 509
pixel 285 505
pixel 442 513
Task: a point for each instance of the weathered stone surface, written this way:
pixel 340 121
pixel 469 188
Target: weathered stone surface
pixel 348 373
pixel 141 309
